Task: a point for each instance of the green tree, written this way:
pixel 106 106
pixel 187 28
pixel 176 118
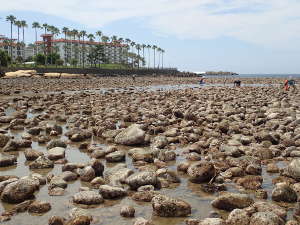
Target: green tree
pixel 149 47
pixel 66 30
pixel 99 34
pixel 52 58
pixel 12 20
pixel 4 58
pixel 97 55
pixel 83 34
pixel 74 62
pixel 40 59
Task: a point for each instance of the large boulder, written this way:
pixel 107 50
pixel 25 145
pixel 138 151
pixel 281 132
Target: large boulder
pixel 117 175
pixel 284 193
pixel 56 153
pixel 266 218
pixel 19 191
pixel 87 198
pixel 142 178
pixel 238 217
pixel 110 192
pixel 230 201
pixel 41 162
pixel 117 156
pixel 87 174
pixel 201 172
pixel 39 207
pixel 293 169
pixel 132 135
pixel 3 140
pixel 7 160
pixel 165 206
pixel 56 143
pixel 31 154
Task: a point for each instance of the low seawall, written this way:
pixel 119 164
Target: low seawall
pixel 99 71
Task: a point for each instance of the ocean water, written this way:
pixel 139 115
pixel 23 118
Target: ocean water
pixel 262 76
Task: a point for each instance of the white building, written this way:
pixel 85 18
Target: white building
pixel 74 49
pixel 17 48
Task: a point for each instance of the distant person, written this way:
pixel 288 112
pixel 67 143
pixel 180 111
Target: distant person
pixel 133 77
pixel 202 81
pixel 237 83
pixel 286 85
pixel 292 84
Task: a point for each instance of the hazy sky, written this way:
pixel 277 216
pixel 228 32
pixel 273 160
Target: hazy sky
pixel 245 36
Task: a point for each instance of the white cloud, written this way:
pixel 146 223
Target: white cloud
pixel 273 23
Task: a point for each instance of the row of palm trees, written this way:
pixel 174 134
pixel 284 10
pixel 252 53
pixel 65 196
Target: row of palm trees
pixel 135 49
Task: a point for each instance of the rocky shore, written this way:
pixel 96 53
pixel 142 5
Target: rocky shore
pixel 111 151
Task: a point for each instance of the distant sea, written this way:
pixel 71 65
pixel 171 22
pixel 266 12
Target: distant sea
pixel 262 76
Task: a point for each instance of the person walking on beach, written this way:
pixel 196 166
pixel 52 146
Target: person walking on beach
pixel 237 83
pixel 290 83
pixel 133 77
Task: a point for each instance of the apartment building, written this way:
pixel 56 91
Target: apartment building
pixel 79 50
pixel 18 49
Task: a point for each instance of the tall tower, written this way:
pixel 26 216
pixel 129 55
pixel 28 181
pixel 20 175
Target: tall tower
pixel 47 39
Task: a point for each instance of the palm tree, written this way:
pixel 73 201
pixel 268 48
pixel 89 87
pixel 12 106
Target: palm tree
pixel 154 47
pixel 45 26
pixel 132 44
pixel 138 48
pixel 91 37
pixel 162 58
pixel 35 25
pixel 143 47
pixel 11 19
pixel 19 25
pixel 159 54
pixel 24 25
pixel 74 32
pixel 99 34
pixel 83 34
pixel 65 30
pixel 149 47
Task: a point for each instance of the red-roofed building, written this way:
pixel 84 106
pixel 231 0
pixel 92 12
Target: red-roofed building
pixel 17 49
pixel 69 49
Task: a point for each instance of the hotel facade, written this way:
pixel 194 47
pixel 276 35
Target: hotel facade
pixel 69 50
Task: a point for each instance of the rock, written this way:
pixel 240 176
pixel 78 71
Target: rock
pixel 238 217
pixel 56 191
pixel 230 150
pixel 212 221
pixel 117 174
pixel 31 154
pixel 143 196
pixel 68 176
pixel 142 178
pixel 3 140
pixel 97 181
pixel 4 183
pixel 230 201
pixel 39 207
pixel 165 206
pixel 253 169
pixel 142 221
pixel 284 193
pixel 201 172
pixel 10 146
pixel 19 191
pixel 57 181
pixel 41 163
pixel 56 153
pixel 166 155
pixel 250 182
pixel 160 142
pixel 272 168
pixel 265 218
pixel 87 198
pixel 87 174
pixel 293 169
pixel 80 220
pixel 127 211
pixel 141 154
pixel 34 130
pixel 97 166
pixel 263 206
pixel 56 220
pixel 132 135
pixel 117 156
pixel 7 160
pixel 146 188
pixel 110 192
pixel 56 143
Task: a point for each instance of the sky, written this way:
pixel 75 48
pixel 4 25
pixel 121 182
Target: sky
pixel 243 36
